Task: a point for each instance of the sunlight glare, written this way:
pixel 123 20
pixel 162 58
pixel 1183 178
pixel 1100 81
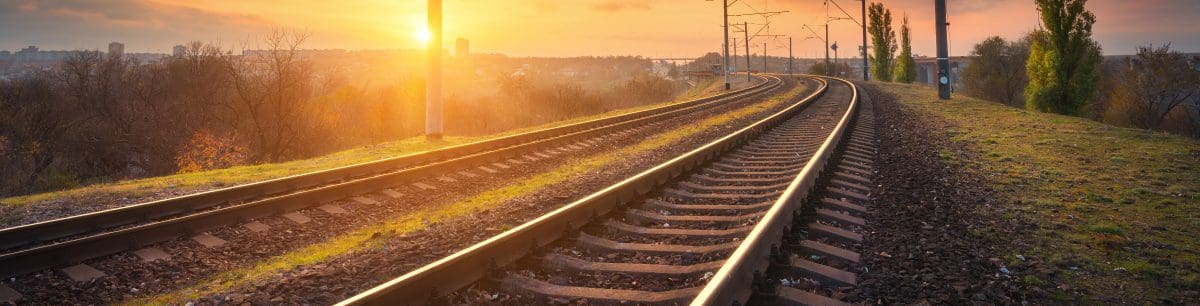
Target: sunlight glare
pixel 422 36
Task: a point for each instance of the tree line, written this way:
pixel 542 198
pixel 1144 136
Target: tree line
pixel 1060 69
pixel 101 117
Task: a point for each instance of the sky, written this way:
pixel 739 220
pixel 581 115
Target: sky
pixel 652 28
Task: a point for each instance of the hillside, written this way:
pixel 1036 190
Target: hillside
pixel 1083 212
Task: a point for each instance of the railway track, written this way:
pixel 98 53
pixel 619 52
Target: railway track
pixel 69 241
pixel 703 227
pixel 819 256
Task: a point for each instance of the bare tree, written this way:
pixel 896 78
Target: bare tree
pixel 270 89
pixel 1155 83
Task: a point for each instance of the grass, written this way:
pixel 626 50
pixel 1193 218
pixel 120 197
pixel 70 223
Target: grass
pixel 146 188
pixel 362 239
pixel 1104 197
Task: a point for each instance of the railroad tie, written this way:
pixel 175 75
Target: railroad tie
pixel 209 240
pixel 8 295
pixel 152 254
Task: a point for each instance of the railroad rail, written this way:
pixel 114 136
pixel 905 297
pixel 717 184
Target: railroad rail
pixel 70 240
pixel 819 255
pixel 701 227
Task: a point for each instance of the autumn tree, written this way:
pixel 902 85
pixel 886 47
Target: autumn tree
pixel 1155 83
pixel 883 39
pixel 1063 66
pixel 997 71
pixel 906 67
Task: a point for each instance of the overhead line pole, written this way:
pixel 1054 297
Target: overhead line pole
pixel 725 9
pixel 943 50
pixel 433 85
pixel 746 27
pixel 790 57
pixel 764 58
pixel 866 76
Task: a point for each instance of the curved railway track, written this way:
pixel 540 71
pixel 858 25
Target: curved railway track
pixel 71 240
pixel 703 227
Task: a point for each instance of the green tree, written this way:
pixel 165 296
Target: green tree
pixel 1063 66
pixel 997 71
pixel 906 67
pixel 883 37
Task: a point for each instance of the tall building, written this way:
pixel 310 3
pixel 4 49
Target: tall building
pixel 178 51
pixel 116 49
pixel 462 47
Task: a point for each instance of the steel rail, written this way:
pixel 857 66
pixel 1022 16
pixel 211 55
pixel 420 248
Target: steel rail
pixel 734 282
pixel 50 230
pixel 473 263
pixel 79 249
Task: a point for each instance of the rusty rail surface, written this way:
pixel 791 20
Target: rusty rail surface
pixel 148 223
pixel 473 263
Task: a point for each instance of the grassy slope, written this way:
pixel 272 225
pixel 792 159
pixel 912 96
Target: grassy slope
pixel 1122 205
pixel 362 238
pixel 199 181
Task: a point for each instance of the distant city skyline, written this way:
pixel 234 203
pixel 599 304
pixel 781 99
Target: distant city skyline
pixel 550 28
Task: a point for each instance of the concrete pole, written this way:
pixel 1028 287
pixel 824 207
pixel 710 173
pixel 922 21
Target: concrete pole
pixel 433 85
pixel 746 35
pixel 733 64
pixel 725 9
pixel 866 66
pixel 943 51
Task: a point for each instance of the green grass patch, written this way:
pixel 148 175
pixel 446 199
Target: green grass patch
pixel 361 239
pixel 1091 187
pixel 1106 229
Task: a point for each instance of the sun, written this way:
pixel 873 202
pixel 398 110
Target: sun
pixel 422 35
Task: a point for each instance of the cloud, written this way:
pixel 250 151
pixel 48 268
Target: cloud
pixel 142 24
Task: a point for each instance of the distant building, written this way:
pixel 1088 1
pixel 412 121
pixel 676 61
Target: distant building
pixel 462 47
pixel 178 51
pixel 116 49
pixel 927 70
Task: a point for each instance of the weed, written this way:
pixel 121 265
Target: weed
pixel 1034 280
pixel 1106 229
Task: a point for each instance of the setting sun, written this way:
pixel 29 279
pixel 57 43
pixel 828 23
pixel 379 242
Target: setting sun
pixel 422 36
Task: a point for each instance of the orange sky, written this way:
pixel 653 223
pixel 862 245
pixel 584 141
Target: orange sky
pixel 656 28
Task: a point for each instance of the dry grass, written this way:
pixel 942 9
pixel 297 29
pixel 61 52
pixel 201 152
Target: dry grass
pixel 141 190
pixel 1118 209
pixel 360 239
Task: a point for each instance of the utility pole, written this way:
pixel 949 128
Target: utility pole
pixel 433 85
pixel 725 9
pixel 790 57
pixel 943 50
pixel 866 76
pixel 764 58
pixel 827 68
pixel 746 27
pixel 733 64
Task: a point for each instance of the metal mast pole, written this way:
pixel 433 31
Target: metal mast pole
pixel 433 85
pixel 943 51
pixel 764 58
pixel 866 76
pixel 790 57
pixel 827 68
pixel 746 31
pixel 725 14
